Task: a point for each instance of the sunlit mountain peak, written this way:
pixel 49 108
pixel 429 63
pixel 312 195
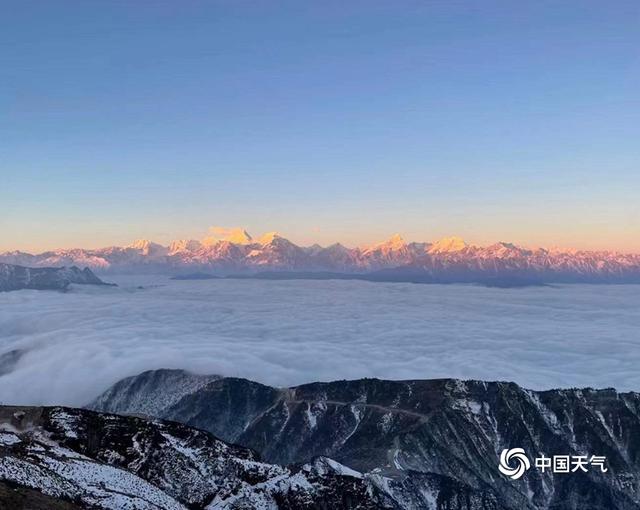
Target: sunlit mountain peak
pixel 232 235
pixel 140 244
pixel 268 238
pixel 396 242
pixel 184 245
pixel 448 245
pixel 146 247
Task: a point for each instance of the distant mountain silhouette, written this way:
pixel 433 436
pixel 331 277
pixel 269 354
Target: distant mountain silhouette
pixel 14 277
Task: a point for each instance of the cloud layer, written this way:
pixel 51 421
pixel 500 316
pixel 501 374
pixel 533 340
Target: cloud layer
pixel 291 332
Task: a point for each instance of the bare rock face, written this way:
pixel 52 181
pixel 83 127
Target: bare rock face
pixel 61 458
pixel 425 444
pixel 360 444
pixel 44 278
pixel 9 359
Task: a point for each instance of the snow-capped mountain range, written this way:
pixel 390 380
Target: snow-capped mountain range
pixel 445 260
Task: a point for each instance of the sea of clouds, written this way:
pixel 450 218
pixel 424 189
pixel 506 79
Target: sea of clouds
pixel 78 343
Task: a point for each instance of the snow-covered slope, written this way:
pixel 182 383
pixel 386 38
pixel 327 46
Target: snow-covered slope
pixel 427 444
pixel 93 460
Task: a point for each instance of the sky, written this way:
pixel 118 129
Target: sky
pixel 326 121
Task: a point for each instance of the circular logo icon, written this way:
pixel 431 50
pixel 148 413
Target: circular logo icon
pixel 514 456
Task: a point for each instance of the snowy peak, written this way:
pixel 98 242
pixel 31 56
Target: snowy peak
pixel 234 251
pixel 239 236
pixel 394 243
pixel 335 248
pixel 505 250
pixel 269 237
pixel 148 248
pixel 184 245
pixel 448 245
pixel 141 244
pixel 231 235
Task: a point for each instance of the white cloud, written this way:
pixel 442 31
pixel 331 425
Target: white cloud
pixel 291 332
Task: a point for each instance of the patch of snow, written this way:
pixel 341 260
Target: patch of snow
pixel 8 438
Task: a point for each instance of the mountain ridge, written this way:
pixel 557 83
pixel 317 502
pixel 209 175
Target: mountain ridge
pixel 58 457
pixel 15 277
pixel 411 431
pixel 448 260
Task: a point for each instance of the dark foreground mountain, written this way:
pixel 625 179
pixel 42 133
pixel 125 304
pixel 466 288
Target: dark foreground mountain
pixel 68 459
pixel 44 278
pixel 433 444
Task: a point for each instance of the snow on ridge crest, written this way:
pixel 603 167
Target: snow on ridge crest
pixel 232 235
pixel 233 250
pixel 448 245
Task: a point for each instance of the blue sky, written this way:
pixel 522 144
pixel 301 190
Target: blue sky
pixel 328 121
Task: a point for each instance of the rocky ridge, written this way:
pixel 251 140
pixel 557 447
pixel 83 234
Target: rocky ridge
pixel 14 277
pixel 73 458
pixel 435 442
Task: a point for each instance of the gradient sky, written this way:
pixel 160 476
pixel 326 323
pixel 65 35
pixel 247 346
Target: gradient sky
pixel 328 121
